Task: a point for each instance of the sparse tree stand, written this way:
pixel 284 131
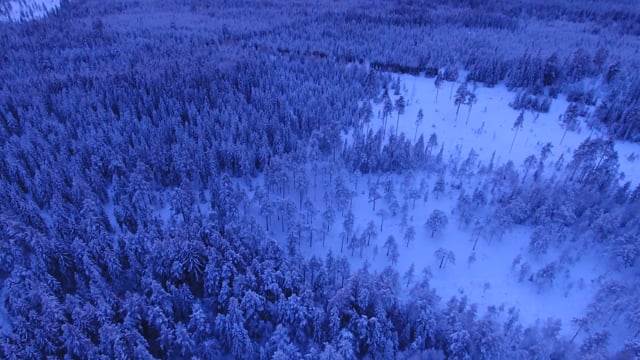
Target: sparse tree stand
pixel 516 127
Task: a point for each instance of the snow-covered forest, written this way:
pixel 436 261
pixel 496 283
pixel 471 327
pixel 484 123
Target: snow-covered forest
pixel 194 179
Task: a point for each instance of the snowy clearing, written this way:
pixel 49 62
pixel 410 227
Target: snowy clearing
pixel 487 126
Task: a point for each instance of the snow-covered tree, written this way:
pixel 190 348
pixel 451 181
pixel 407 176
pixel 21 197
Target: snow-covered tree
pixel 444 257
pixel 409 235
pixel 517 125
pixel 419 119
pixel 436 222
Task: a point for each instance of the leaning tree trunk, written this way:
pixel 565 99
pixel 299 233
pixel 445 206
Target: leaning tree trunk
pixel 514 141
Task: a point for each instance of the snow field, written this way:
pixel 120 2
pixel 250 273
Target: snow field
pixel 487 126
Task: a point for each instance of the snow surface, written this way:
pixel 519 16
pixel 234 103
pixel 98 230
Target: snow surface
pixel 21 10
pixel 490 124
pixel 487 281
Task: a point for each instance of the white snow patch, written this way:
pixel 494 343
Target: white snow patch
pixel 24 10
pixel 488 281
pixel 490 125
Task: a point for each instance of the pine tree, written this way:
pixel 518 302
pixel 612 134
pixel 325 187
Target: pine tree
pixel 387 108
pixel 374 194
pixel 439 187
pixel 436 222
pixel 409 235
pixel 471 100
pixel 347 225
pixel 400 107
pixel 433 142
pixel 389 244
pixel 408 276
pixel 569 119
pixel 370 232
pixel 419 119
pixel 444 257
pixel 437 82
pixel 528 164
pixel 517 125
pixel 461 97
pixel 383 214
pixel 328 218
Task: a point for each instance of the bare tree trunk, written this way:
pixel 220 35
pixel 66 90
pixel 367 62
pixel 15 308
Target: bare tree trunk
pixel 514 141
pixel 576 334
pixel 564 134
pixel 384 126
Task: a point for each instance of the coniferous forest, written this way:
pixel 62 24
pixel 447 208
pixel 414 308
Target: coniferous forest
pixel 358 179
